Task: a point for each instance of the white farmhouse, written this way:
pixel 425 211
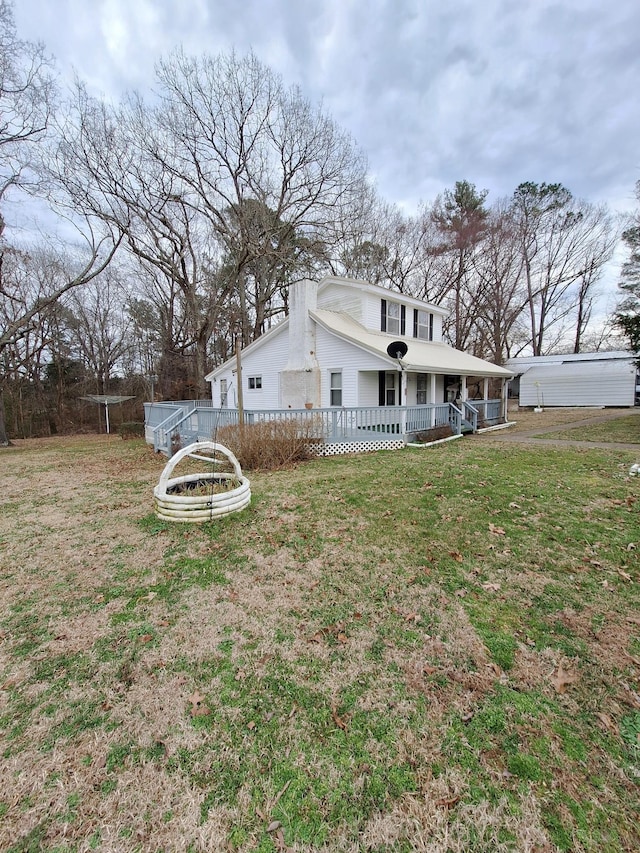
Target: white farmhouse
pixel 365 366
pixel 348 343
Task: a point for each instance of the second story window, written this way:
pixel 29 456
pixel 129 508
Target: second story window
pixel 255 383
pixel 392 317
pixel 422 325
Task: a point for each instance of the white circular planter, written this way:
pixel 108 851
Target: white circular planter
pixel 173 501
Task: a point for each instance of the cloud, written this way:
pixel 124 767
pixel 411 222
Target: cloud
pixel 494 92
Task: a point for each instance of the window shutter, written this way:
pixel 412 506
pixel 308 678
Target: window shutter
pixel 415 322
pixel 403 320
pixel 382 388
pixel 430 327
pixel 383 315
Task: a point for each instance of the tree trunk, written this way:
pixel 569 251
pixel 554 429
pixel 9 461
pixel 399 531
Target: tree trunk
pixel 4 440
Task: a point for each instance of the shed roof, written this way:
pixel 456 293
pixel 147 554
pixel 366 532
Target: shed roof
pixel 525 362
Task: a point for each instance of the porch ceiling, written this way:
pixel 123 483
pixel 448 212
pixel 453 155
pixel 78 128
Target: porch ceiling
pixel 421 357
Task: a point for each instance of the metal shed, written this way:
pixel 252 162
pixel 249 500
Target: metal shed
pixel 585 379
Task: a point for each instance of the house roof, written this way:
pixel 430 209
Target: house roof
pixel 421 357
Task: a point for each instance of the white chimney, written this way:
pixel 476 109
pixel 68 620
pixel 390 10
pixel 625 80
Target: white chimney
pixel 300 380
pixel 303 298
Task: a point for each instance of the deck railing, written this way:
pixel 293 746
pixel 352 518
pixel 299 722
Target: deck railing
pixel 169 425
pixel 470 416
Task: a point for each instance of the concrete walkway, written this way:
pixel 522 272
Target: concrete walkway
pixel 531 436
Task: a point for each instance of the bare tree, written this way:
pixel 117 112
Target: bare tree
pixel 226 190
pixel 99 324
pixel 499 296
pixel 565 244
pixel 27 100
pixel 243 143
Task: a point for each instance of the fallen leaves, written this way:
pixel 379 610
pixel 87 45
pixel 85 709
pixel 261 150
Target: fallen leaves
pixel 274 827
pixel 198 708
pixel 337 631
pixel 412 617
pixel 448 802
pixel 496 531
pixel 607 722
pixel 341 721
pixel 563 678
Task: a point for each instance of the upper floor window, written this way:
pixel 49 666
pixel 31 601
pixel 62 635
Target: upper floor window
pixel 392 317
pixel 223 394
pixel 422 325
pixel 255 383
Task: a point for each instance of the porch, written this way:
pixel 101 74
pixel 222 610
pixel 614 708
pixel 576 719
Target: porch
pixel 335 430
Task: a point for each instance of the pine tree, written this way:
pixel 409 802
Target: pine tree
pixel 628 312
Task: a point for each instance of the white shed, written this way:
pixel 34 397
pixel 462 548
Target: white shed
pixel 584 379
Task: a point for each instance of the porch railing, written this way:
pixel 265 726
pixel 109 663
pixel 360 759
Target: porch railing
pixel 169 425
pixel 470 416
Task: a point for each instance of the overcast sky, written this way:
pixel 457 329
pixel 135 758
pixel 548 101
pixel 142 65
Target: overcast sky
pixel 492 91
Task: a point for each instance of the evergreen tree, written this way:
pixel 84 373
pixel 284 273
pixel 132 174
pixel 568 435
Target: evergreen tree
pixel 628 313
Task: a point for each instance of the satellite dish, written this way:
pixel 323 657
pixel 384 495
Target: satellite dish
pixel 397 349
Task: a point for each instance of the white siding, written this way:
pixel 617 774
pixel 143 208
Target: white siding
pixel 368 393
pixel 348 300
pixel 372 309
pixel 412 390
pixel 594 383
pixel 364 305
pixel 437 328
pixel 267 362
pixel 336 354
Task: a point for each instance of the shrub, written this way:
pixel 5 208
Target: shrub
pixel 131 429
pixel 269 445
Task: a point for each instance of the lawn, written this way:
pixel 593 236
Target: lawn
pixel 426 650
pixel 623 429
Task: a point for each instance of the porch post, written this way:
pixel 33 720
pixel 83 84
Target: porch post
pixel 505 399
pixel 432 398
pixel 485 388
pixel 464 391
pixel 404 401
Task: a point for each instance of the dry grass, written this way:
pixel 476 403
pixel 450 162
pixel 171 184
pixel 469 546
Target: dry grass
pixel 369 658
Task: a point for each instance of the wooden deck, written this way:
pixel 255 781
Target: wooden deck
pixel 344 429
